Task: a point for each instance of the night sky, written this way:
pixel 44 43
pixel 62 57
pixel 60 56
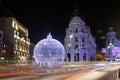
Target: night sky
pixel 44 16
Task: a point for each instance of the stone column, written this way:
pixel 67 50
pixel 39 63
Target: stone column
pixel 72 55
pixel 80 55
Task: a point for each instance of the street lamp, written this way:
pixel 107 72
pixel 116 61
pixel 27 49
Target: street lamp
pixel 69 45
pixel 71 36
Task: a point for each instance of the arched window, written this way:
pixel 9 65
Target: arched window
pixel 68 56
pixel 77 56
pixel 84 57
pixel 91 58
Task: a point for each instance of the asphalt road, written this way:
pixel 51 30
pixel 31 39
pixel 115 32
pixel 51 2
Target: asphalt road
pixel 91 72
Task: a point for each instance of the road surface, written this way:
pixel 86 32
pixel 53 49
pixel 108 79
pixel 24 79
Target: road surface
pixel 90 72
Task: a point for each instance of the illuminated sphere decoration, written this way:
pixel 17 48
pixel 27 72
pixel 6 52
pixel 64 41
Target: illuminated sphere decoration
pixel 49 52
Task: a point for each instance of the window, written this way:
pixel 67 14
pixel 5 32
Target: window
pixel 77 57
pixel 82 30
pixel 76 46
pixel 69 56
pixel 76 39
pixel 13 24
pixel 112 40
pixel 83 40
pixel 14 34
pixel 76 30
pixel 74 23
pixel 83 46
pixel 16 27
pixel 84 57
pixel 16 47
pixel 17 33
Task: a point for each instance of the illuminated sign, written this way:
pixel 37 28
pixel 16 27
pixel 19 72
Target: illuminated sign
pixel 116 51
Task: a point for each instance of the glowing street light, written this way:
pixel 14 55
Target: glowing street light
pixel 69 45
pixel 2 58
pixel 71 36
pixel 4 51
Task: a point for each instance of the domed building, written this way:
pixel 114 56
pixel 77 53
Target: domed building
pixel 112 45
pixel 49 52
pixel 79 43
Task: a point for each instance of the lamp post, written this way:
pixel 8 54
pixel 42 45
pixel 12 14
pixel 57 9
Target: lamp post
pixel 70 44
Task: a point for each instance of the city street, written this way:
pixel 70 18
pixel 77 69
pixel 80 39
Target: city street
pixel 59 40
pixel 99 71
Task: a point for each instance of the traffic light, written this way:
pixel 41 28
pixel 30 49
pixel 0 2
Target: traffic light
pixel 111 45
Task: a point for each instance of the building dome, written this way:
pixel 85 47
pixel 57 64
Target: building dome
pixel 76 20
pixel 49 52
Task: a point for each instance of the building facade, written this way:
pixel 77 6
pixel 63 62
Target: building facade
pixel 1 44
pixel 79 42
pixel 16 40
pixel 32 45
pixel 112 45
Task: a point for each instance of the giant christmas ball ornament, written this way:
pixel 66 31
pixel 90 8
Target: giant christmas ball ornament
pixel 49 52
